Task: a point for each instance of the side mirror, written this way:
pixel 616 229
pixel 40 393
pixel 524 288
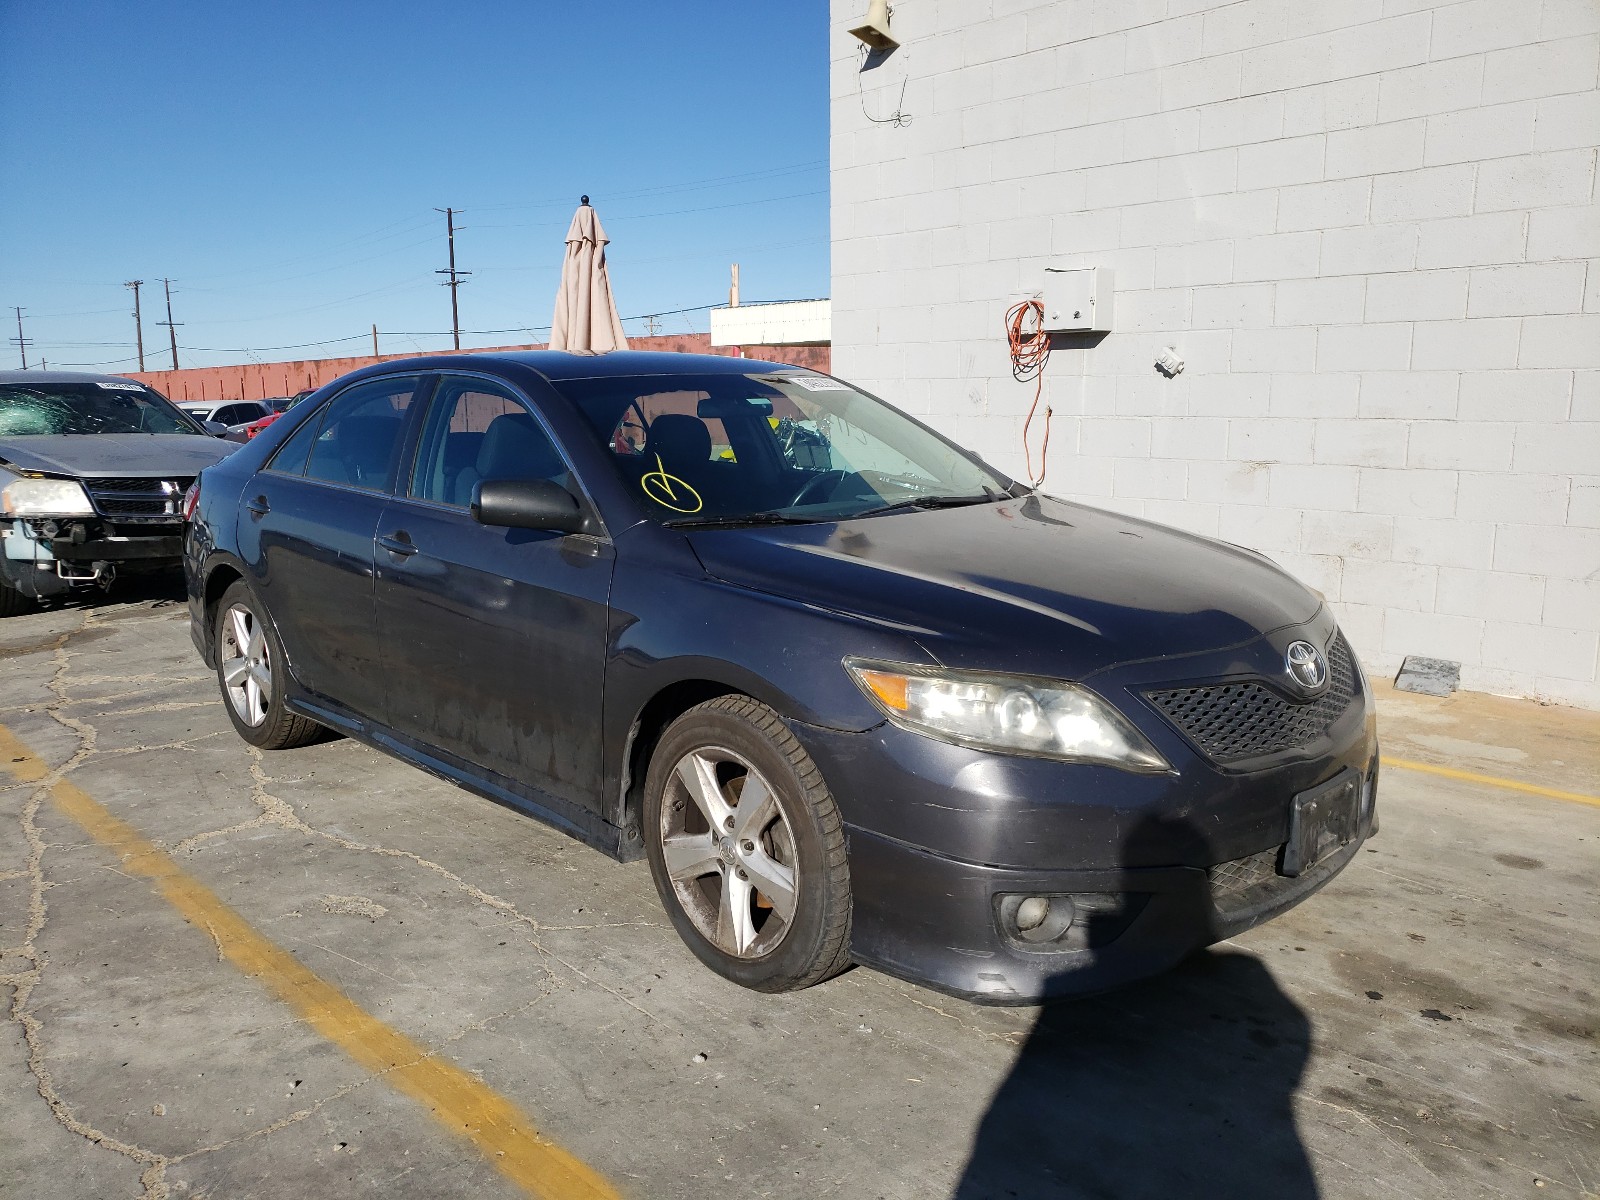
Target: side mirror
pixel 527 504
pixel 215 428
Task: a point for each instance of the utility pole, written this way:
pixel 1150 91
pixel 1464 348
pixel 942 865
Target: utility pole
pixel 733 288
pixel 22 342
pixel 374 341
pixel 172 330
pixel 652 325
pixel 454 281
pixel 138 322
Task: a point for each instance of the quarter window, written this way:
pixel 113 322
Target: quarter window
pixel 361 433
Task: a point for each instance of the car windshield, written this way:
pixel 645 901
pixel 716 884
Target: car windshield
pixel 774 446
pixel 115 406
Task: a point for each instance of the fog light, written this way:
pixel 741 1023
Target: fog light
pixel 1031 913
pixel 1040 921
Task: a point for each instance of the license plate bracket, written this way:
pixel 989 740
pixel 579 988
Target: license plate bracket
pixel 1322 821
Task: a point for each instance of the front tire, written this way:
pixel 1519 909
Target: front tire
pixel 746 847
pixel 251 671
pixel 12 602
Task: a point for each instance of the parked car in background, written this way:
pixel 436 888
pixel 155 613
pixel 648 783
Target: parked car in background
pixel 853 693
pixel 233 415
pixel 278 407
pixel 93 469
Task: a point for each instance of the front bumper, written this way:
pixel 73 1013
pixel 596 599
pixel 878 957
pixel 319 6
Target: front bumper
pixel 938 834
pixel 935 920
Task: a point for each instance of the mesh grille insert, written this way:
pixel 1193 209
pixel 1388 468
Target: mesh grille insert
pixel 134 496
pixel 1230 878
pixel 1232 722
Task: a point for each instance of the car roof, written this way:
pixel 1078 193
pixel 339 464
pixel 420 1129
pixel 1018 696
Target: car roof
pixel 62 377
pixel 556 365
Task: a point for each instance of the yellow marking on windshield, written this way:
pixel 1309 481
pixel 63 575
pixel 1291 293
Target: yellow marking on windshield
pixel 669 491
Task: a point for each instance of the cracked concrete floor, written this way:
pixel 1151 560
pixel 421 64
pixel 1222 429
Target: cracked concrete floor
pixel 1426 1027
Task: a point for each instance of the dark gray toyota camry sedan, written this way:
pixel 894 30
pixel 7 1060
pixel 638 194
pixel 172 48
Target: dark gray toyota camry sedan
pixel 855 695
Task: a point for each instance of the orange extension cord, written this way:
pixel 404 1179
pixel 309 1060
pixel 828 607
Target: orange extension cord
pixel 1030 350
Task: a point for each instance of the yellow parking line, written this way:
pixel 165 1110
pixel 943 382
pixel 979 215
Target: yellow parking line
pixel 461 1103
pixel 1515 785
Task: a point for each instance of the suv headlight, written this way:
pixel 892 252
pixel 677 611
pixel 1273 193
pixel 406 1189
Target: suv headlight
pixel 1014 714
pixel 45 498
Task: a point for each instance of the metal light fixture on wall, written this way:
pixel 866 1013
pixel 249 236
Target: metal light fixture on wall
pixel 874 31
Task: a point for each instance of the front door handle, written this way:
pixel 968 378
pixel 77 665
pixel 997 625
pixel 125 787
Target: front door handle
pixel 399 542
pixel 258 507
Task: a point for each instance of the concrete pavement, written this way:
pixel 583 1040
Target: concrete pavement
pixel 1427 1026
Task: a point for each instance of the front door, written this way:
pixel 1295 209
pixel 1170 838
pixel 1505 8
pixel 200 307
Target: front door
pixel 306 528
pixel 493 639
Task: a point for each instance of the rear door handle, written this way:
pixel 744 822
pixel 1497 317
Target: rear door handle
pixel 399 542
pixel 258 506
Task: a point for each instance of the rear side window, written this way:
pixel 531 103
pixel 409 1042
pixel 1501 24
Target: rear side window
pixel 360 434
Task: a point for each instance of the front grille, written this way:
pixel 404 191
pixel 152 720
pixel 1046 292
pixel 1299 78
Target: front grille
pixel 138 499
pixel 1233 722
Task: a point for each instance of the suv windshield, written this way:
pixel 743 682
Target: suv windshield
pixel 772 446
pixel 115 406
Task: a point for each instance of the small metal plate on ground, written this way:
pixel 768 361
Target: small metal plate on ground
pixel 1321 821
pixel 1430 676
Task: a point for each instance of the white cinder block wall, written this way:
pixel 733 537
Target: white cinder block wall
pixel 1370 229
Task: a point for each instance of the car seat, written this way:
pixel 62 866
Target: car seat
pixel 514 447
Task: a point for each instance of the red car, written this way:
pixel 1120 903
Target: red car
pixel 255 427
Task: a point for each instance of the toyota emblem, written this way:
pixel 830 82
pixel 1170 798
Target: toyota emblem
pixel 1306 665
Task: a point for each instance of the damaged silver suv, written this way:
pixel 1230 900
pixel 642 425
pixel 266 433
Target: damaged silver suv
pixel 93 472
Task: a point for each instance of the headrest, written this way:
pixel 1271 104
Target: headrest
pixel 516 447
pixel 679 439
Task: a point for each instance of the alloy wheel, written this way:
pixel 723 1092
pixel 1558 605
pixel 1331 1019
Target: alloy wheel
pixel 729 851
pixel 246 665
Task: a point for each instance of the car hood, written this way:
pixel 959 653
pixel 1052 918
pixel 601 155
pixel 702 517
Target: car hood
pixel 1037 585
pixel 92 454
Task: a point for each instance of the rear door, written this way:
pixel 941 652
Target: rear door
pixel 306 528
pixel 493 639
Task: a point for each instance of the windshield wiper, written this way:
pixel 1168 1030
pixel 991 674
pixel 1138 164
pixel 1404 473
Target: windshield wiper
pixel 931 502
pixel 756 518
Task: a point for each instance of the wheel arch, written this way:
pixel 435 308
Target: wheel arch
pixel 218 580
pixel 649 723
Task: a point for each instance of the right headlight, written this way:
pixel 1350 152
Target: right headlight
pixel 1013 714
pixel 33 497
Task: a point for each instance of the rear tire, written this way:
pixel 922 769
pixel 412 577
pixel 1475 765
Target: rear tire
pixel 747 847
pixel 251 671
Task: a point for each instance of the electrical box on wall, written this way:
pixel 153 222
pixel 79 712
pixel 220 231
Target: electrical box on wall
pixel 1077 301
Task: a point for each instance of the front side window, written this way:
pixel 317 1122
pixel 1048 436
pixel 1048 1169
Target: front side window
pixel 785 445
pixel 114 406
pixel 359 438
pixel 477 431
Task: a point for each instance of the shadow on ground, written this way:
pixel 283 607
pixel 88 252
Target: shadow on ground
pixel 1178 1086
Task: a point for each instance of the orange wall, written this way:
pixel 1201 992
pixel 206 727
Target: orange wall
pixel 257 381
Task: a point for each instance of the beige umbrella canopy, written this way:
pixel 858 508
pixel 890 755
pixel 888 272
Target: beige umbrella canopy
pixel 586 315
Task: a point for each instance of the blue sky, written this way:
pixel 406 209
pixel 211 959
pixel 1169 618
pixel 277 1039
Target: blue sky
pixel 281 163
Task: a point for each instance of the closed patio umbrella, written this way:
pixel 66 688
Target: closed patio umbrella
pixel 586 315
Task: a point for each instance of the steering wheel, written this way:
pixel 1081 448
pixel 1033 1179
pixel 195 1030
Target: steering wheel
pixel 815 484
